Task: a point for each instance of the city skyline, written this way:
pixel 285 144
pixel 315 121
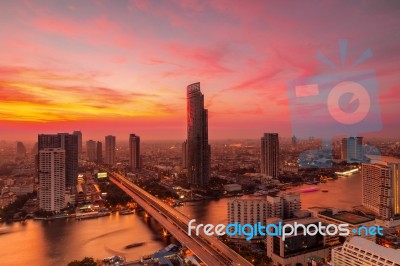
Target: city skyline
pixel 134 78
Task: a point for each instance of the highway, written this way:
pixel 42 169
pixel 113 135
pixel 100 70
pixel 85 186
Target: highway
pixel 207 248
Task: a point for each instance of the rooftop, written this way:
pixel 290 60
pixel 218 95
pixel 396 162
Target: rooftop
pixel 387 253
pixel 347 217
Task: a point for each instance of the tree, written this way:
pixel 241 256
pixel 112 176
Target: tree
pixel 85 262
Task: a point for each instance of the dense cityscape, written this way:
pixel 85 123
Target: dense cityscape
pixel 199 133
pixel 59 177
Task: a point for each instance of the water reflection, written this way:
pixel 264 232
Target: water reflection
pixel 61 241
pixel 343 193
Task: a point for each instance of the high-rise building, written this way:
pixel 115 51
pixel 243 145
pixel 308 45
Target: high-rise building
pixel 110 150
pixel 198 149
pixel 270 154
pixel 69 143
pixel 21 150
pixel 52 173
pixel 79 135
pixel 91 150
pixel 134 152
pixel 360 251
pixel 381 188
pixel 352 150
pixel 99 152
pixel 184 154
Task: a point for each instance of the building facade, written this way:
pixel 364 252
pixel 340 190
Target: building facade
pixel 78 134
pixel 52 175
pixel 381 189
pixel 359 251
pixel 134 153
pixel 99 152
pixel 198 149
pixel 352 149
pixel 109 157
pixel 270 154
pixel 91 150
pixel 69 143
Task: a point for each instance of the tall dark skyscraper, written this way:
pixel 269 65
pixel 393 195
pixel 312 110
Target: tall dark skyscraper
pixel 51 174
pixel 99 152
pixel 198 151
pixel 91 150
pixel 270 154
pixel 69 143
pixel 79 135
pixel 134 152
pixel 109 150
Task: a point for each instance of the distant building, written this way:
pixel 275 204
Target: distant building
pixel 21 150
pixel 381 189
pixel 270 154
pixel 79 136
pixel 22 189
pixel 198 150
pixel 91 150
pixel 184 155
pixel 52 174
pixel 134 152
pixel 233 188
pixel 294 141
pixel 109 150
pixel 69 143
pixel 359 251
pixel 352 149
pixel 99 152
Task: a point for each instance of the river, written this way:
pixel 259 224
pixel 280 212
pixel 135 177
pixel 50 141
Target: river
pixel 61 241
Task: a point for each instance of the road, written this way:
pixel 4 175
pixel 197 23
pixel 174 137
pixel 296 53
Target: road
pixel 209 249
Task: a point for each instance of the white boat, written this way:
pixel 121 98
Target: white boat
pixel 89 215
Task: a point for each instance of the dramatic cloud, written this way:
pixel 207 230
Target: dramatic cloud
pixel 126 64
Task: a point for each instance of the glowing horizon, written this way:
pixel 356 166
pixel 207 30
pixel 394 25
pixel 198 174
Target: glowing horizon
pixel 107 67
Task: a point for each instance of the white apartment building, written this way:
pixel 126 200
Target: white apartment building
pixel 252 211
pixel 381 189
pixel 359 251
pixel 51 179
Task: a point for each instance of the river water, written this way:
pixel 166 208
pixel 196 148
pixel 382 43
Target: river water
pixel 61 241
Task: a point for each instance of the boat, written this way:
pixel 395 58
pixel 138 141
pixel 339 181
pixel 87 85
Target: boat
pixel 126 212
pixel 309 189
pixel 134 245
pixel 324 190
pixel 90 215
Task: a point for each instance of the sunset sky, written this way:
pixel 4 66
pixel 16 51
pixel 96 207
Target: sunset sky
pixel 120 67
